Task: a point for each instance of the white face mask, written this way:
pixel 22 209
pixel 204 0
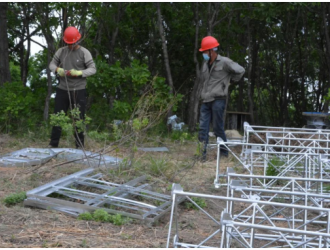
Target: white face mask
pixel 206 57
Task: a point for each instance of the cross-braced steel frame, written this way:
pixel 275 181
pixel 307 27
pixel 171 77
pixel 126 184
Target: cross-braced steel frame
pixel 280 200
pixel 316 138
pixel 258 224
pixel 308 162
pixel 86 191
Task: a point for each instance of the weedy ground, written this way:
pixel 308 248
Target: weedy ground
pixel 32 227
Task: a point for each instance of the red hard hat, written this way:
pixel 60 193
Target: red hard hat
pixel 209 42
pixel 71 35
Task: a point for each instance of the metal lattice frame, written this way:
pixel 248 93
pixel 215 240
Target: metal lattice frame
pixel 308 165
pixel 301 137
pixel 255 226
pixel 85 191
pixel 37 156
pixel 307 162
pixel 289 190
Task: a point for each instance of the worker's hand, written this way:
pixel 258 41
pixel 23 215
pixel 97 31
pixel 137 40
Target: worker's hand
pixel 74 72
pixel 60 72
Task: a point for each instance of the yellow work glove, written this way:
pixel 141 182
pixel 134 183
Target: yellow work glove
pixel 60 72
pixel 74 72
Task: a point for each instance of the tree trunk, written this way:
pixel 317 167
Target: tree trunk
pixel 113 33
pixel 24 59
pixel 212 15
pixel 64 23
pixel 49 88
pixel 197 88
pixel 45 27
pixel 4 62
pixel 250 73
pixel 325 12
pixel 165 54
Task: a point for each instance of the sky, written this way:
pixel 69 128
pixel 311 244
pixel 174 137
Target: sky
pixel 35 48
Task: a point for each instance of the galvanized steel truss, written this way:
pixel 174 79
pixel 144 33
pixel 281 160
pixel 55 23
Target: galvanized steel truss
pixel 86 191
pixel 259 224
pixel 289 209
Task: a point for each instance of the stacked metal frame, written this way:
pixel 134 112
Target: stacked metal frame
pixel 27 157
pixel 289 190
pixel 289 154
pixel 282 136
pixel 261 225
pixel 86 191
pixel 36 156
pixel 280 198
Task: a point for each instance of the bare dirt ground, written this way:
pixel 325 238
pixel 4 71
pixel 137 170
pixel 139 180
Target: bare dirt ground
pixel 32 227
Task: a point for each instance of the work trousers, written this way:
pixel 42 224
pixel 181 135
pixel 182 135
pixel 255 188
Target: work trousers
pixel 62 102
pixel 212 112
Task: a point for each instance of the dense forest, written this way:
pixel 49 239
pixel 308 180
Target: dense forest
pixel 284 48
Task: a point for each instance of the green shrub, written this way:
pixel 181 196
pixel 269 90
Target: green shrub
pixel 69 123
pixel 199 201
pixel 273 167
pixel 99 136
pixel 118 220
pixel 15 198
pixel 100 215
pixel 85 216
pixel 20 108
pixel 181 136
pixel 158 166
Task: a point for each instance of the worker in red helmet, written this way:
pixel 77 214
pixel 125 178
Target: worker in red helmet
pixel 72 64
pixel 216 73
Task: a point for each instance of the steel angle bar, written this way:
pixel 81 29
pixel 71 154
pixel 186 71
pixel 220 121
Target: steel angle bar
pixel 86 157
pixel 251 232
pixel 114 188
pixel 77 193
pixel 156 149
pixel 27 157
pixel 118 189
pixel 164 208
pixel 72 208
pixel 50 187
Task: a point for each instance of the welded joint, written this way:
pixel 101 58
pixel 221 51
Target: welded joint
pixel 247 166
pixel 269 135
pixel 230 170
pixel 238 185
pixel 226 219
pixel 220 141
pixel 216 183
pixel 176 188
pixel 247 127
pixel 254 197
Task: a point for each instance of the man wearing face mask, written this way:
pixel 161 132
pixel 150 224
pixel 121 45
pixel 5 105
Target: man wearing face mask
pixel 217 71
pixel 72 64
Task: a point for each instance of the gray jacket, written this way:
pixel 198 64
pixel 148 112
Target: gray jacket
pixel 80 59
pixel 217 80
